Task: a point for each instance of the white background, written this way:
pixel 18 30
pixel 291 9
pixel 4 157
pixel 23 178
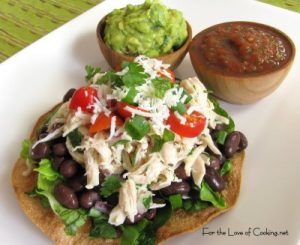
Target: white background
pixel 36 78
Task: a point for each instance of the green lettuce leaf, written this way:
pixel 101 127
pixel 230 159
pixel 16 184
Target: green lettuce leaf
pixel 25 151
pixel 47 179
pixel 208 195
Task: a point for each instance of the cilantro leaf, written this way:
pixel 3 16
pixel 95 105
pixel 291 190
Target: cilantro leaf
pixel 91 71
pixel 207 194
pixel 219 110
pixel 161 85
pixel 147 202
pixel 100 226
pixel 226 168
pixel 158 141
pixel 75 137
pixel 135 76
pixel 111 78
pixel 137 127
pixel 110 185
pixel 130 236
pixel 25 151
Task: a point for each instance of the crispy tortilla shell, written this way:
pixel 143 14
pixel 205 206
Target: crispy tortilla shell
pixel 179 223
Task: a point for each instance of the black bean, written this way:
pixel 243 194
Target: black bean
pixel 137 218
pixel 68 168
pixel 57 161
pixel 88 198
pixel 69 94
pixel 231 144
pixel 177 188
pixel 77 183
pixel 40 151
pixel 65 196
pixel 214 180
pixel 59 149
pixel 180 172
pixel 150 214
pixel 215 162
pixel 243 142
pixel 103 207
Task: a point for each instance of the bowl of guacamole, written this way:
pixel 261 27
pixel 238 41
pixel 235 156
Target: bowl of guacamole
pixel 151 29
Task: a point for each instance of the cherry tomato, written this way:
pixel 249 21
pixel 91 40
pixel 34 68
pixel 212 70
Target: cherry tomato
pixel 104 122
pixel 193 126
pixel 171 77
pixel 83 97
pixel 124 113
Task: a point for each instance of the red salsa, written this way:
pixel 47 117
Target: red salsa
pixel 243 48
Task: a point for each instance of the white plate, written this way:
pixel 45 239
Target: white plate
pixel 36 78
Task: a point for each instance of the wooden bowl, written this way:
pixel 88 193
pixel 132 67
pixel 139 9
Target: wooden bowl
pixel 241 88
pixel 114 58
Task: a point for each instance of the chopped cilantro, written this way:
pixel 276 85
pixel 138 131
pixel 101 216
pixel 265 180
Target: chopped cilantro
pixel 161 85
pixel 135 76
pixel 111 78
pixel 75 137
pixel 110 185
pixel 158 141
pixel 100 226
pixel 91 71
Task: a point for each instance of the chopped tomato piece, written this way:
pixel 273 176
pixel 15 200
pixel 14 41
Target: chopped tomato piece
pixel 104 122
pixel 171 72
pixel 192 127
pixel 123 112
pixel 83 98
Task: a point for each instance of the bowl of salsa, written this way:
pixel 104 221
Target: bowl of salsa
pixel 242 62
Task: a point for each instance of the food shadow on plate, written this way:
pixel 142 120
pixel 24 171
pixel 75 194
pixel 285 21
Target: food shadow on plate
pixel 86 52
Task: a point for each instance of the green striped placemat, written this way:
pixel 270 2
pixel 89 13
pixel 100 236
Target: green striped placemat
pixel 24 21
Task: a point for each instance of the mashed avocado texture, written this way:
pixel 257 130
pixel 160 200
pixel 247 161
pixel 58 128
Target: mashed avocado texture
pixel 149 29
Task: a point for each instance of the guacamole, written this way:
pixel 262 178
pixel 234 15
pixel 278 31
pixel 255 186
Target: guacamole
pixel 149 29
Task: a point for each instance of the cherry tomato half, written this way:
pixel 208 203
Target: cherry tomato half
pixel 83 97
pixel 104 122
pixel 171 72
pixel 193 126
pixel 124 113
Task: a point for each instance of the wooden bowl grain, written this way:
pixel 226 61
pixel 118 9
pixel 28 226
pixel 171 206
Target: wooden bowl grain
pixel 115 59
pixel 240 89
